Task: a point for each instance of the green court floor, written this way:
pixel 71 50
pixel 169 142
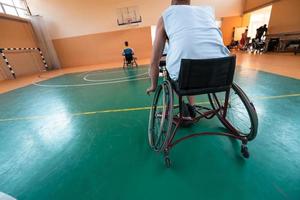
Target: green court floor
pixel 84 136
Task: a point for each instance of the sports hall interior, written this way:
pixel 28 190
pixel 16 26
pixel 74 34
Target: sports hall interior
pixel 74 120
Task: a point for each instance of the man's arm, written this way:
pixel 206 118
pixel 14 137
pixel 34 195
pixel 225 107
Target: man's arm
pixel 158 47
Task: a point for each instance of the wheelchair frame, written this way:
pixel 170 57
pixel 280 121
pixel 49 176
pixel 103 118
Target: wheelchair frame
pixel 132 63
pixel 257 46
pixel 208 113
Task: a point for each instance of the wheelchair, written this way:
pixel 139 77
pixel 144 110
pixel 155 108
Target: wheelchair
pixel 228 102
pixel 129 60
pixel 294 45
pixel 162 65
pixel 257 46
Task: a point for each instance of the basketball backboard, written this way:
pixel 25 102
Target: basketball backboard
pixel 128 15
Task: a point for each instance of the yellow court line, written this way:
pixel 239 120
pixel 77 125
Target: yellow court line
pixel 75 114
pixel 111 111
pixel 278 97
pixel 24 118
pixel 125 110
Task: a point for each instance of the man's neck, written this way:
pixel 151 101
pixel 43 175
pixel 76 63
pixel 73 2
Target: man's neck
pixel 187 4
pixel 174 2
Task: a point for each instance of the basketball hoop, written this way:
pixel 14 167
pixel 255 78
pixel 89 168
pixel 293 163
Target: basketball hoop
pixel 129 20
pixel 128 16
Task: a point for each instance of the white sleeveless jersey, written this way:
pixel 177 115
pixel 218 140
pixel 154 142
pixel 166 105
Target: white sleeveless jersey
pixel 193 34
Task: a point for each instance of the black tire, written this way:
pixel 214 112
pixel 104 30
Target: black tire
pixel 245 152
pixel 167 162
pixel 161 117
pixel 240 110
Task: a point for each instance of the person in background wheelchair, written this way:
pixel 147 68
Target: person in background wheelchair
pixel 258 43
pixel 128 54
pixel 244 42
pixel 261 32
pixel 191 33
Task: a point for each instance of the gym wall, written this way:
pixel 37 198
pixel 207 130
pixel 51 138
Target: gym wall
pixel 251 5
pixel 69 18
pixel 86 32
pixel 16 32
pixel 103 47
pixel 3 74
pixel 285 17
pixel 228 24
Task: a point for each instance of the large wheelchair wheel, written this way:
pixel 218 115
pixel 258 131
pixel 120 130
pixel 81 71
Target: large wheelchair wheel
pixel 241 116
pixel 161 117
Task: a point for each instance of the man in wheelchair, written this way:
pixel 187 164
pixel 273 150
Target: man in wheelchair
pixel 128 54
pixel 197 63
pixel 191 33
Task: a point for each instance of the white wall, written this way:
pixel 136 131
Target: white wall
pixel 67 18
pixel 223 8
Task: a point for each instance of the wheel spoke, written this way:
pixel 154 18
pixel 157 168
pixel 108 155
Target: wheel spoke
pixel 240 115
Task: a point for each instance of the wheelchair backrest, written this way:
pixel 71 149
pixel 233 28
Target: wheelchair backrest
pixel 128 51
pixel 206 75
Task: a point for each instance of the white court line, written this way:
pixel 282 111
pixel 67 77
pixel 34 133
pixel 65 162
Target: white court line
pixel 114 79
pixel 98 82
pixel 6 197
pixel 88 84
pixel 81 74
pixel 112 71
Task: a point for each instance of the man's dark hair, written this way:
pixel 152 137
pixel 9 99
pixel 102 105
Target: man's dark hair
pixel 126 43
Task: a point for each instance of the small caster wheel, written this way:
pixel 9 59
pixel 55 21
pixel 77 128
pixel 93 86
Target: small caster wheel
pixel 167 162
pixel 245 152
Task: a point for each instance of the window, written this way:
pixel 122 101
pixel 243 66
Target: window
pixel 14 7
pixel 259 18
